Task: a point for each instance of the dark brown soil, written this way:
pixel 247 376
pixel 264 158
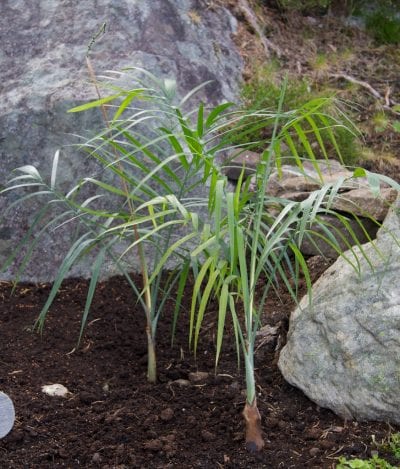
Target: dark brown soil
pixel 114 419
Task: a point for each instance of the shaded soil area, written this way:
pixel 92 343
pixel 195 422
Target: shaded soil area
pixel 113 418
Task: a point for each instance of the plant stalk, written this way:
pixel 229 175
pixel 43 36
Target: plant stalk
pixel 252 418
pixel 151 356
pixel 152 368
pixel 254 438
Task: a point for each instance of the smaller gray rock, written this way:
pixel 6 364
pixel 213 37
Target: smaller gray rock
pixel 354 199
pixel 58 390
pixel 362 202
pixel 354 196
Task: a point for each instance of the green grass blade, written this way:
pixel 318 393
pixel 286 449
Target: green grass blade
pixel 193 92
pixel 179 295
pixel 215 114
pixel 76 250
pixel 200 121
pixel 239 339
pixel 222 307
pixel 197 293
pixel 171 250
pixel 96 103
pixel 126 102
pixel 92 288
pixel 205 296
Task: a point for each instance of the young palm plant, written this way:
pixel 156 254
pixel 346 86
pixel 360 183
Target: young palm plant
pixel 140 197
pixel 151 157
pixel 250 251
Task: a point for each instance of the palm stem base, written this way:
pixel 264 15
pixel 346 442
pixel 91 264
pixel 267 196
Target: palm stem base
pixel 252 418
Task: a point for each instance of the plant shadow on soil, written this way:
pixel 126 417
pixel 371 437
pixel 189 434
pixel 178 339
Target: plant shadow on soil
pixel 114 418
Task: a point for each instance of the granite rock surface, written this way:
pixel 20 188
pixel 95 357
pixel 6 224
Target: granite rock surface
pixel 343 351
pixel 42 65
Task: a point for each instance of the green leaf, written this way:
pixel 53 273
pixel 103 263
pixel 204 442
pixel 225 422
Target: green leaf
pixel 169 88
pixel 179 295
pixel 171 249
pixel 92 288
pixel 200 121
pixel 126 102
pixel 222 307
pixel 96 103
pixel 75 251
pixel 216 113
pixel 30 171
pixel 205 295
pixel 219 195
pixel 193 92
pixel 197 293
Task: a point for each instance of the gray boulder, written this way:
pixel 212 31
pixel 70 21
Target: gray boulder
pixel 42 65
pixel 343 352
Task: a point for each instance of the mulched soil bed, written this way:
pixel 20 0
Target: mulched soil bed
pixel 114 419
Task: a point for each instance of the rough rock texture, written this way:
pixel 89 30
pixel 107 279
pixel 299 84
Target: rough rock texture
pixel 362 203
pixel 355 195
pixel 296 184
pixel 42 65
pixel 344 351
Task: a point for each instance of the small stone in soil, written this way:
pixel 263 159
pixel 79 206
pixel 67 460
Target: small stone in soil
pixel 56 389
pixel 207 436
pixel 153 445
pixel 282 425
pixel 62 453
pixel 314 452
pixel 326 444
pixel 170 438
pixel 198 377
pixel 167 414
pixel 96 458
pixel 191 419
pixel 181 382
